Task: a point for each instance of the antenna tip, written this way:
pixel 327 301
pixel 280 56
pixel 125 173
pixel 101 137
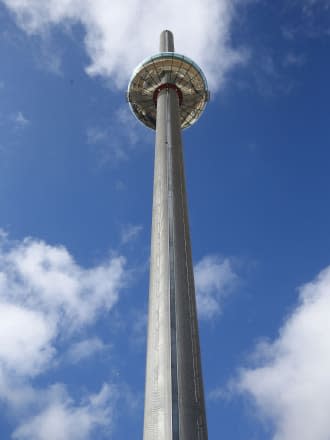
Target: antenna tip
pixel 166 41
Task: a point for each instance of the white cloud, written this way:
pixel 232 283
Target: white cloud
pixel 47 298
pixel 15 391
pixel 120 34
pixel 46 279
pixel 62 419
pixel 290 383
pixel 214 279
pixel 130 233
pixel 25 339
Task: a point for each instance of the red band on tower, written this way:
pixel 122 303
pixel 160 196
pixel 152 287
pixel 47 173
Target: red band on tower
pixel 167 86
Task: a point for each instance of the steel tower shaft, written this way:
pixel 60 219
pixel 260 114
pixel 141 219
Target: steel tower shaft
pixel 174 397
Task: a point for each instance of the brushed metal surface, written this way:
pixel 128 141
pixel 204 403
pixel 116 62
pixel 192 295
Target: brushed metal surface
pixel 174 396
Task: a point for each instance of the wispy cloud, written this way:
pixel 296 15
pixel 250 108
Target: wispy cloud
pixel 49 56
pixel 290 382
pixel 85 349
pixel 214 280
pixel 116 141
pixel 21 120
pixel 139 329
pixel 292 59
pixel 119 34
pixel 120 185
pixel 130 233
pixel 308 5
pixel 313 21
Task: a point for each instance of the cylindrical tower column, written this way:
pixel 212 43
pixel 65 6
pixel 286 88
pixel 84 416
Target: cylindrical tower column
pixel 174 399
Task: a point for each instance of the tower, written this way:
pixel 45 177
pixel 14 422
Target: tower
pixel 168 92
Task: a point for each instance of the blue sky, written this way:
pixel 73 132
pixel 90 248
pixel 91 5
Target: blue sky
pixel 75 212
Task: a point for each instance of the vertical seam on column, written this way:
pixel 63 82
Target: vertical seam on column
pixel 193 316
pixel 157 294
pixel 188 281
pixel 156 328
pixel 174 361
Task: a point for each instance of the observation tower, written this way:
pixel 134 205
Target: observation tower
pixel 168 92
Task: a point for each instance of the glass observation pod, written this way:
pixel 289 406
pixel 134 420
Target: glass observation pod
pixel 148 79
